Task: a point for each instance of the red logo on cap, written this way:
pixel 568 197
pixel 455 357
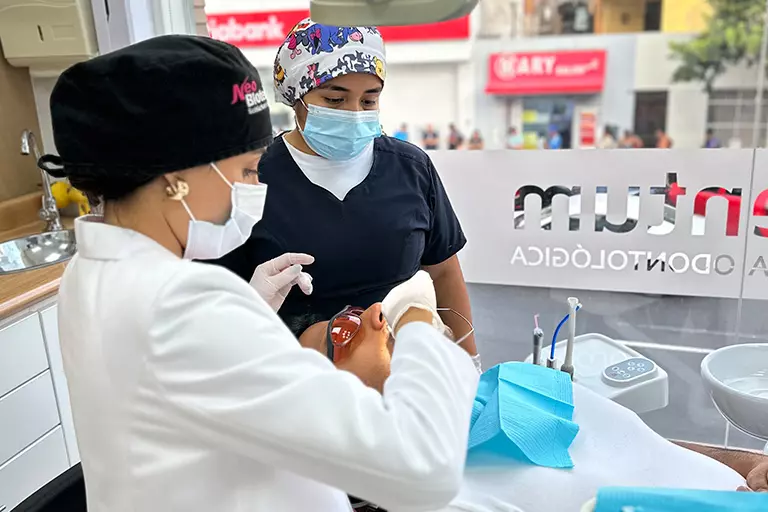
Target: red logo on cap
pixel 240 91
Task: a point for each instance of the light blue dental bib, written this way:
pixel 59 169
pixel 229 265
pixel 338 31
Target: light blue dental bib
pixel 524 412
pixel 627 499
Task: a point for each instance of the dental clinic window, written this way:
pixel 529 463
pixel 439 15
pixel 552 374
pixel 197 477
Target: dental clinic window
pixel 731 115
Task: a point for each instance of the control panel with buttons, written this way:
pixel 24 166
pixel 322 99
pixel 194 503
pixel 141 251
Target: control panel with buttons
pixel 630 371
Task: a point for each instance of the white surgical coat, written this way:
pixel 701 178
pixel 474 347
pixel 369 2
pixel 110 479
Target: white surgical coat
pixel 188 393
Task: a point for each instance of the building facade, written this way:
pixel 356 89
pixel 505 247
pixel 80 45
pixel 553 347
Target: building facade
pixel 574 66
pixel 429 72
pixel 563 83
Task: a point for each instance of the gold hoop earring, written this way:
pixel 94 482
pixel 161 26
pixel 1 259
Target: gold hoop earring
pixel 177 191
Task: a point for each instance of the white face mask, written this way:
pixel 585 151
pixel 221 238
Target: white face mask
pixel 208 241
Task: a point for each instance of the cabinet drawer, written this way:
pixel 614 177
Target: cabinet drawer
pixel 50 323
pixel 30 470
pixel 22 353
pixel 26 413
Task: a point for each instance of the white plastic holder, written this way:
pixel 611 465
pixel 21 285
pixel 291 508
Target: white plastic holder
pixel 593 353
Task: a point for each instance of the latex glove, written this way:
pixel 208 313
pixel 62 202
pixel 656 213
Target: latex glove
pixel 275 278
pixel 417 292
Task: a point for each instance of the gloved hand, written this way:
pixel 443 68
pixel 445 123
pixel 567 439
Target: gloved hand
pixel 275 278
pixel 417 292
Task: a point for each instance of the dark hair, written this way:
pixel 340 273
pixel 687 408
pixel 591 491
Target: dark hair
pixel 301 322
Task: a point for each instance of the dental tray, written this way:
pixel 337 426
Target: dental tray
pixel 600 362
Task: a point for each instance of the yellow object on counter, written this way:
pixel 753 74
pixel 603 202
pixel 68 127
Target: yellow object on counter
pixel 60 191
pixel 65 195
pixel 76 196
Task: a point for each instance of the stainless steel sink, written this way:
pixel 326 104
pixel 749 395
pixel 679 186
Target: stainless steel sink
pixel 36 251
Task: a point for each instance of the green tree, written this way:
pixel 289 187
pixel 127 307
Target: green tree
pixel 733 35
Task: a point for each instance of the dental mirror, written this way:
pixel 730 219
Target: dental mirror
pixel 388 12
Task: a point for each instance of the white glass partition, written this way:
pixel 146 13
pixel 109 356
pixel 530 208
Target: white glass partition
pixel 666 250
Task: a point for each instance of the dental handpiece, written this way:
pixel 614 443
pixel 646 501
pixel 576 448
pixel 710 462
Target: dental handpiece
pixel 538 334
pixel 573 307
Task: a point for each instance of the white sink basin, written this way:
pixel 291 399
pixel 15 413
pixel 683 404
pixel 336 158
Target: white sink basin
pixel 737 379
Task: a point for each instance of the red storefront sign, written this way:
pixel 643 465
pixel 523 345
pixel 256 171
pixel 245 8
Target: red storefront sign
pixel 577 72
pixel 255 29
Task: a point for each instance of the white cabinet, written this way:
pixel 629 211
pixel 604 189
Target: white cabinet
pixel 50 324
pixel 22 353
pixel 37 434
pixel 31 469
pixel 27 413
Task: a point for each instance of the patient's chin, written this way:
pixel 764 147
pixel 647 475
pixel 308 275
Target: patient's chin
pixel 378 374
pixel 370 362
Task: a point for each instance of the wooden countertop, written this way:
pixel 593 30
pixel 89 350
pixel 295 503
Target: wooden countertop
pixel 21 290
pixel 18 291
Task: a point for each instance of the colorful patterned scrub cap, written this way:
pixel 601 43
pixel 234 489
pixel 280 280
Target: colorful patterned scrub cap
pixel 313 53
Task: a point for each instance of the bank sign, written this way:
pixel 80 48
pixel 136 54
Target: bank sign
pixel 675 222
pixel 269 28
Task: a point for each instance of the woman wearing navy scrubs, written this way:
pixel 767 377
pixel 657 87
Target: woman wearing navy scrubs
pixel 370 208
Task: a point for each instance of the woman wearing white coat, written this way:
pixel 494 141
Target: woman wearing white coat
pixel 188 392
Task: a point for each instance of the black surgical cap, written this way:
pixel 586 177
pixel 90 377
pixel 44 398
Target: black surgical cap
pixel 162 105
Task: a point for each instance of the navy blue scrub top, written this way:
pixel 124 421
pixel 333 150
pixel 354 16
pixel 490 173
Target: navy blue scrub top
pixel 398 219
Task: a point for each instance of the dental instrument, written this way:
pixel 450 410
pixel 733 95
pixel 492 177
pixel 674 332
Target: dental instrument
pixel 538 334
pixel 551 361
pixel 606 366
pixel 573 306
pixel 598 365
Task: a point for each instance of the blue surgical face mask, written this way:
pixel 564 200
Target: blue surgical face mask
pixel 339 134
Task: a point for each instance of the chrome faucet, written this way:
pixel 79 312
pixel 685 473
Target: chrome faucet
pixel 49 212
